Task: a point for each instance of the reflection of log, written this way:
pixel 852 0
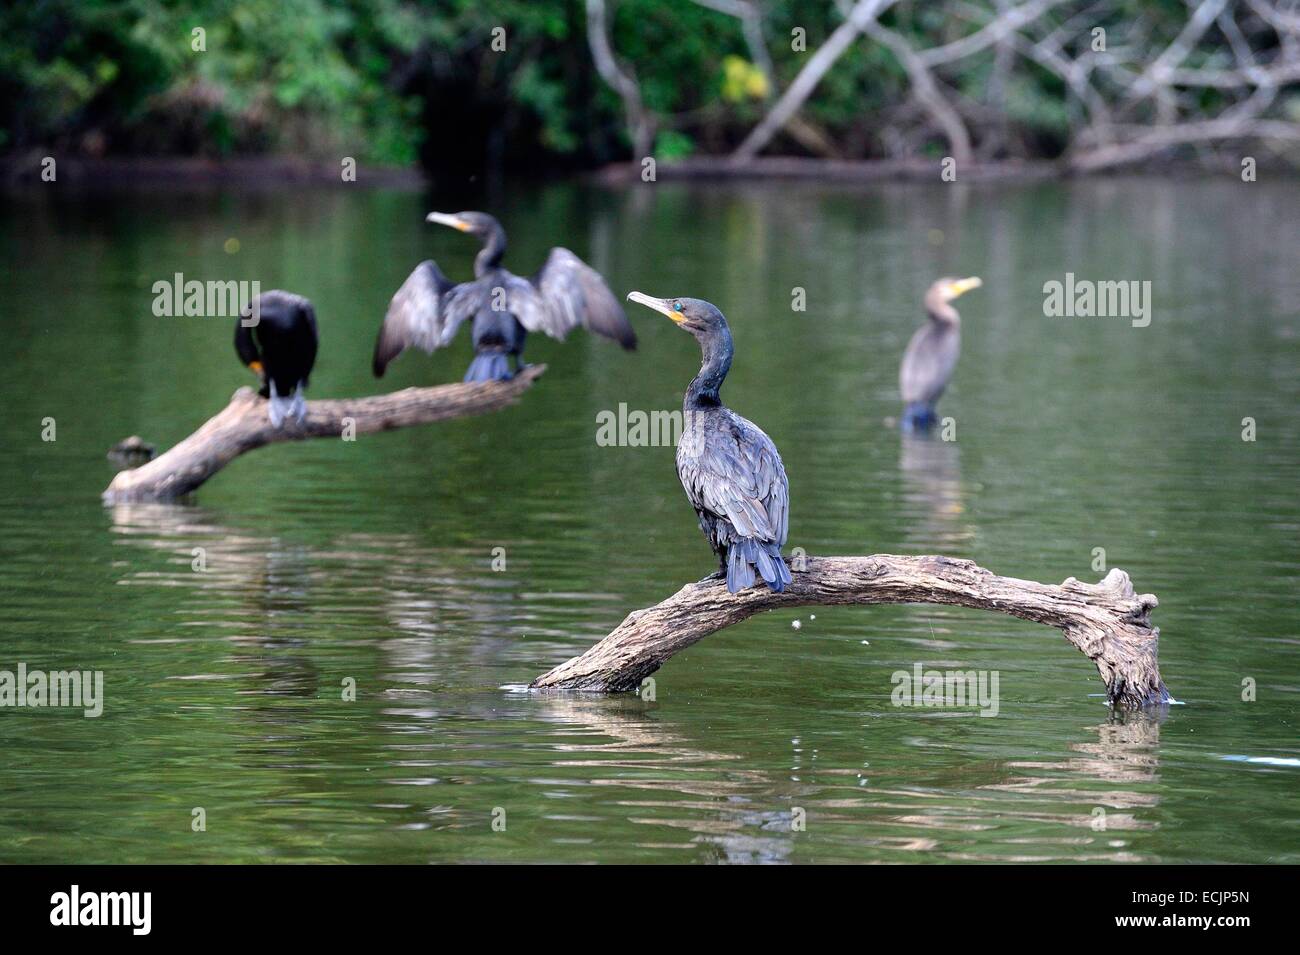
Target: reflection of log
pixel 1107 622
pixel 243 426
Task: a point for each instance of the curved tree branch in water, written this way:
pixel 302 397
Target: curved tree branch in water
pixel 243 426
pixel 1108 622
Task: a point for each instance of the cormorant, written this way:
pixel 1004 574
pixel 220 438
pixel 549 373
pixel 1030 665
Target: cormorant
pixel 730 469
pixel 932 354
pixel 281 348
pixel 429 307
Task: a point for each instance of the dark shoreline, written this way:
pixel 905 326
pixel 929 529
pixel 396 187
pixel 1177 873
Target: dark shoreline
pixel 800 169
pixel 271 172
pixel 785 168
pixel 188 172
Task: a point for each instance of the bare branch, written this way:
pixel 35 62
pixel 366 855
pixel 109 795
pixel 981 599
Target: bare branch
pixel 1108 622
pixel 1240 48
pixel 1276 75
pixel 927 92
pixel 640 123
pixel 1101 83
pixel 790 102
pixel 1075 73
pixel 243 426
pixel 1155 76
pixel 1148 141
pixel 997 29
pixel 1279 20
pixel 751 26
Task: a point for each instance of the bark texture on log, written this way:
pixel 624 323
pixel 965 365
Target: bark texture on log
pixel 243 426
pixel 1107 621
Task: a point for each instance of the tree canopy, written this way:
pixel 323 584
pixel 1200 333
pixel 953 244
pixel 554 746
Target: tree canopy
pixel 518 82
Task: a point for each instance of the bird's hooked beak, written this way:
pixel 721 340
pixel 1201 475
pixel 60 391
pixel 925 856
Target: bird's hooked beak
pixel 658 304
pixel 443 218
pixel 962 286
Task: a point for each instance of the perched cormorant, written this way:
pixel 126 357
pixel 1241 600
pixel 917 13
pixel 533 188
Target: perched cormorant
pixel 932 354
pixel 730 469
pixel 281 349
pixel 429 307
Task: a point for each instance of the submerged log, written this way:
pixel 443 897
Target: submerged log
pixel 1107 621
pixel 243 425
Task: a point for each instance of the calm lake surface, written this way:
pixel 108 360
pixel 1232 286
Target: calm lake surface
pixel 373 560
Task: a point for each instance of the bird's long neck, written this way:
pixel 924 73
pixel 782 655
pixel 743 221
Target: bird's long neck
pixel 705 389
pixel 941 311
pixel 489 257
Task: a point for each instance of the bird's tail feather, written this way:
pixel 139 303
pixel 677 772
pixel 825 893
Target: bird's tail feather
pixel 747 556
pixel 488 366
pixel 918 416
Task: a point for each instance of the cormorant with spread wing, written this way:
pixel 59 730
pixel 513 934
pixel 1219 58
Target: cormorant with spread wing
pixel 279 345
pixel 932 354
pixel 429 307
pixel 730 469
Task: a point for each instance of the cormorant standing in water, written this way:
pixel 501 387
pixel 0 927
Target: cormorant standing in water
pixel 730 469
pixel 429 307
pixel 281 348
pixel 932 354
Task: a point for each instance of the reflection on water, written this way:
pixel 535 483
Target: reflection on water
pixel 597 758
pixel 664 782
pixel 933 495
pixel 232 632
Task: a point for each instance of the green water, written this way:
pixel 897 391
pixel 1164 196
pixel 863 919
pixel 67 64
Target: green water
pixel 373 560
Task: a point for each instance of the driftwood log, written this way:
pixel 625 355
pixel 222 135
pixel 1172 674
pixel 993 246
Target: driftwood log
pixel 243 426
pixel 1107 621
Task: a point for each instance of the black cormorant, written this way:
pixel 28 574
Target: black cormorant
pixel 429 307
pixel 281 348
pixel 730 469
pixel 932 354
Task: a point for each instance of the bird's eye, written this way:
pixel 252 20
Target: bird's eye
pixel 677 306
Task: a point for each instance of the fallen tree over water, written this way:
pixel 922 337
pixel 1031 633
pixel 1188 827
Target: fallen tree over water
pixel 243 426
pixel 1108 622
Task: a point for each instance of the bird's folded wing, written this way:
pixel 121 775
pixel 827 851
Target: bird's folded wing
pixel 424 313
pixel 566 293
pixel 928 363
pixel 739 475
pixel 312 344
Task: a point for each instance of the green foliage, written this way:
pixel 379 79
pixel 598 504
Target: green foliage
pixel 545 96
pixel 293 76
pixel 671 145
pixel 374 78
